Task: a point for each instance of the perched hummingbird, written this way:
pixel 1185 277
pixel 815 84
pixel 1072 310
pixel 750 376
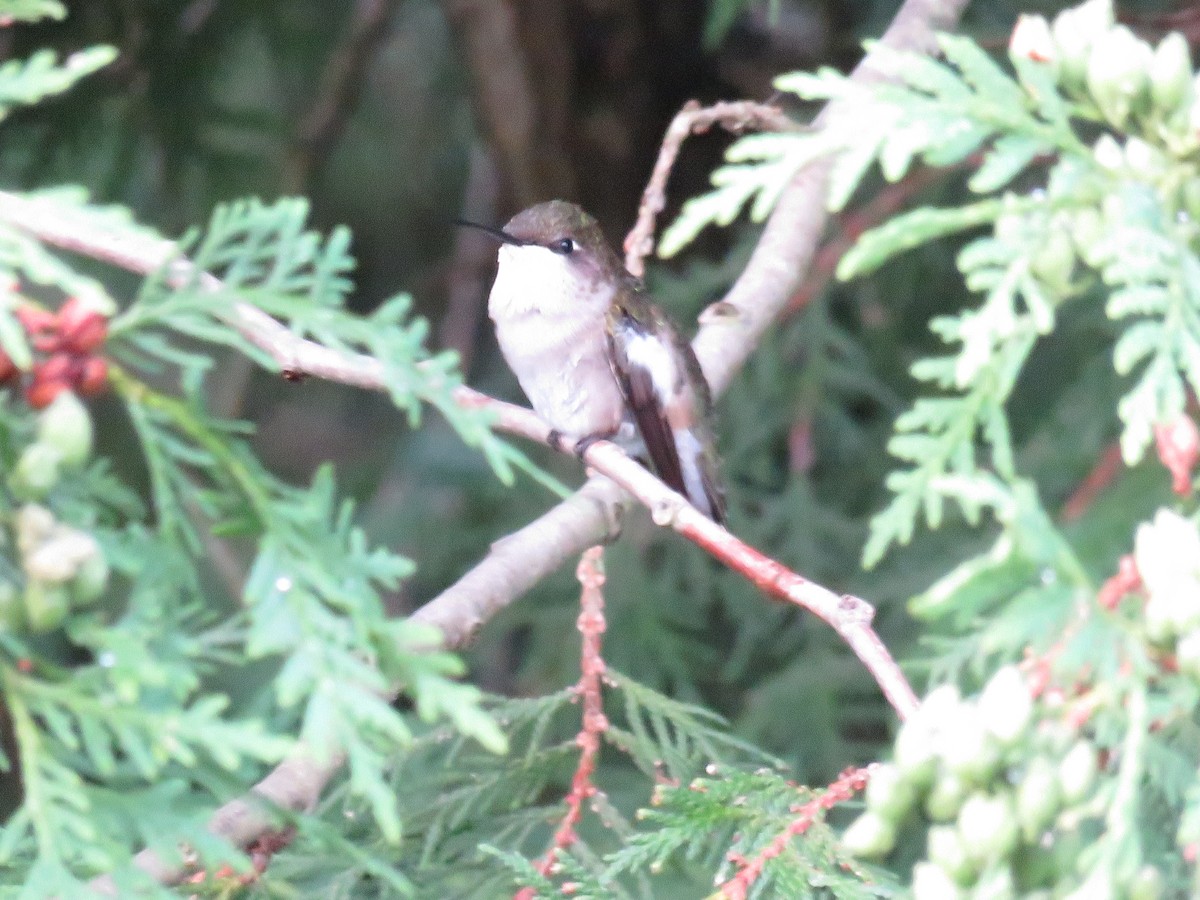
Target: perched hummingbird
pixel 597 359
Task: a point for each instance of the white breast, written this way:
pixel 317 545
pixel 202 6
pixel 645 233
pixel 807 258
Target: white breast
pixel 551 331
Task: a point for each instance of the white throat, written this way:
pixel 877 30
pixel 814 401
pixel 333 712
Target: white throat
pixel 532 280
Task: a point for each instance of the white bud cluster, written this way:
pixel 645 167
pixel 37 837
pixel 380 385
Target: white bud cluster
pixel 63 440
pixel 1167 553
pixel 1001 799
pixel 64 568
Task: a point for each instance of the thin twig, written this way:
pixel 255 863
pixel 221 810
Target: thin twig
pixel 591 626
pixel 1103 473
pixel 847 785
pixel 850 616
pixel 1126 580
pixel 736 116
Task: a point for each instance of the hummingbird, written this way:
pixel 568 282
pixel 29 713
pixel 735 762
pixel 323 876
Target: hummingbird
pixel 596 357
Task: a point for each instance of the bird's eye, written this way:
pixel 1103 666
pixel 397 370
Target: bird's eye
pixel 566 246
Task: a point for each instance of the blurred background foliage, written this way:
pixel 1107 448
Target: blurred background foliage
pixel 395 118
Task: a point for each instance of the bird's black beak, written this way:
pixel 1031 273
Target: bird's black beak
pixel 498 233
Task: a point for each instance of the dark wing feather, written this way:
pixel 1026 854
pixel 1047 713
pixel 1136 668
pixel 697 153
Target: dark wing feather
pixel 708 463
pixel 696 477
pixel 638 386
pixel 714 491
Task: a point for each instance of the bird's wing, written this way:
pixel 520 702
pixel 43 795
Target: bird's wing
pixel 668 396
pixel 647 374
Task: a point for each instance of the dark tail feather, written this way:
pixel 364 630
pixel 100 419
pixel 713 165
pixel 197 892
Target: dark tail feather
pixel 701 485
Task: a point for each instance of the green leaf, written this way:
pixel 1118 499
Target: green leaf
pixel 958 140
pixel 981 71
pixel 1010 155
pixel 32 10
pixel 909 230
pixel 1140 340
pixel 24 82
pixel 849 168
pixel 823 84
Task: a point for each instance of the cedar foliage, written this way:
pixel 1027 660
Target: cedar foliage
pixel 130 715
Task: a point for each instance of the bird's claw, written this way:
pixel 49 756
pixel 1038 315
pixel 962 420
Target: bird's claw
pixel 566 444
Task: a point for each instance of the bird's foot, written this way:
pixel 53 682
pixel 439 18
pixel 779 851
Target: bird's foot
pixel 581 445
pixel 567 444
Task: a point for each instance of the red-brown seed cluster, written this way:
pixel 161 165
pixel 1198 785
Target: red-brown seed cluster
pixel 1126 581
pixel 67 340
pixel 1178 444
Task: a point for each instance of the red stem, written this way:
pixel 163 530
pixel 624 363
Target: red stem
pixel 591 626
